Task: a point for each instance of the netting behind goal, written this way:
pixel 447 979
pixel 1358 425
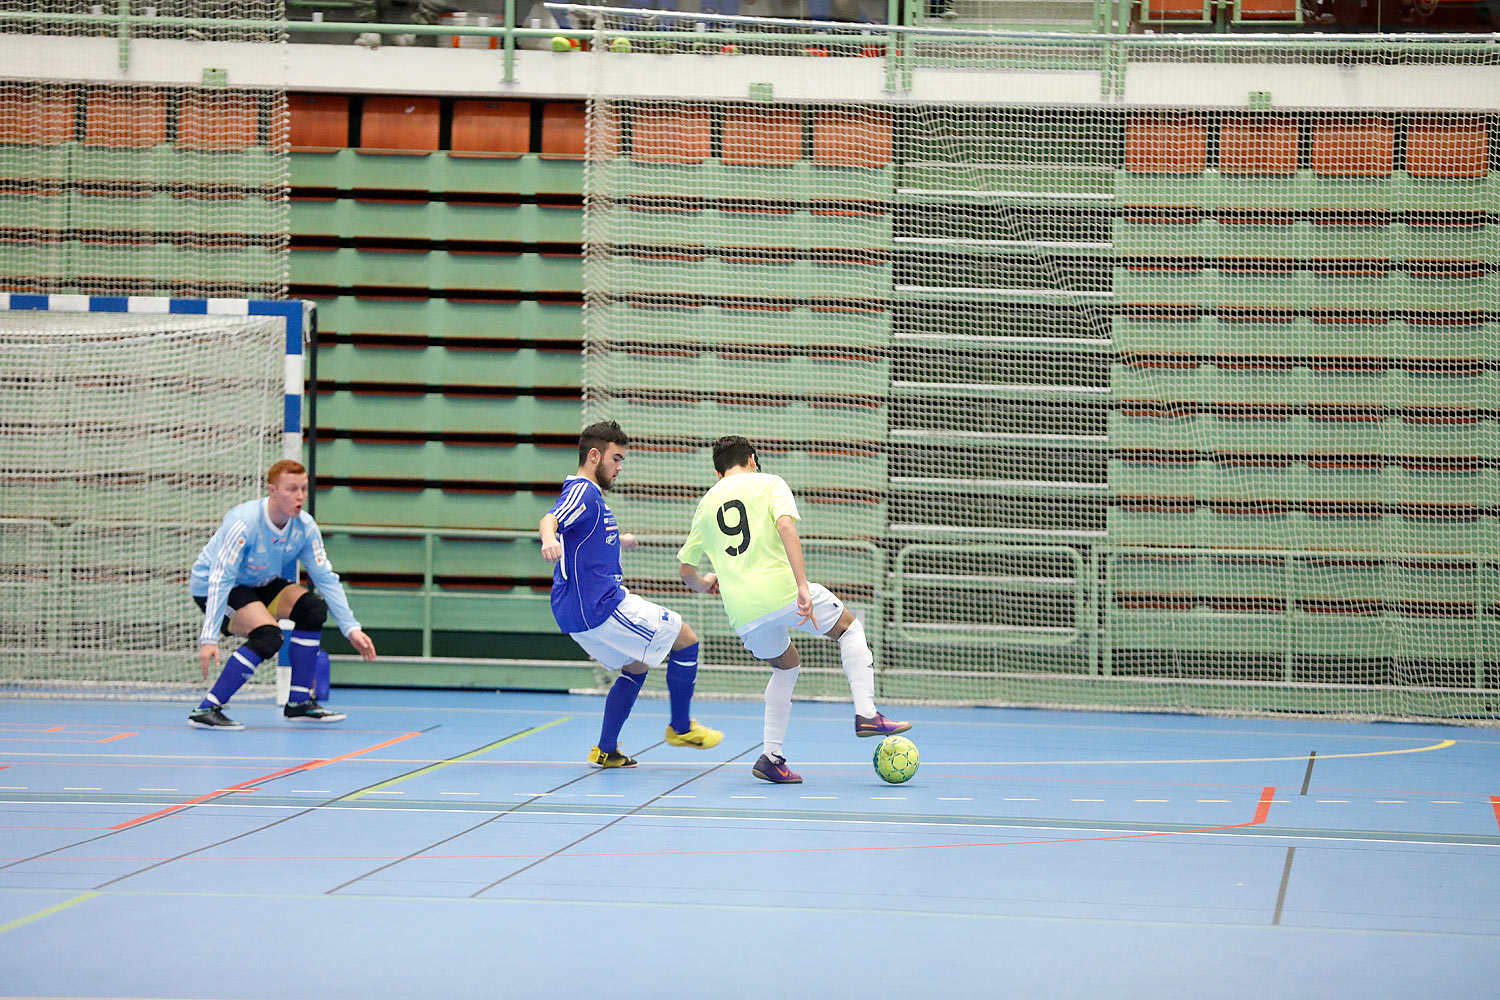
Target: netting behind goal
pixel 139 157
pixel 126 438
pixel 1085 404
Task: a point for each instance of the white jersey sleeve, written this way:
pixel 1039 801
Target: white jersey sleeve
pixel 320 572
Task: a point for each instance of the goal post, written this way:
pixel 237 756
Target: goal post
pixel 131 423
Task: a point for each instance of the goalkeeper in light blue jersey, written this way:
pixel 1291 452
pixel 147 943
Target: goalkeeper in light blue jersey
pixel 238 574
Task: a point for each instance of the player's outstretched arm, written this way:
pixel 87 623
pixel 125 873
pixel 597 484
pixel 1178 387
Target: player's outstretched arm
pixel 547 531
pixel 702 583
pixel 208 652
pixel 363 644
pixel 786 527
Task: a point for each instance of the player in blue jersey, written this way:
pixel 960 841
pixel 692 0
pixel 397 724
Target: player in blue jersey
pixel 619 629
pixel 238 573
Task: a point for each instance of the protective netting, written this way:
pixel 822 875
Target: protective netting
pixel 126 439
pixel 113 187
pixel 1085 404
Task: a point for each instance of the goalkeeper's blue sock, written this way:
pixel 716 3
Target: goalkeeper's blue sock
pixel 682 674
pixel 238 669
pixel 617 706
pixel 321 686
pixel 304 656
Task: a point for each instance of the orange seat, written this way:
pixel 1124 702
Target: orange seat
pixel 564 130
pixel 1447 147
pixel 762 136
pixel 1353 146
pixel 319 122
pixel 673 133
pixel 125 117
pixel 37 114
pixel 217 120
pixel 1165 144
pixel 1174 10
pixel 855 138
pixel 497 127
pixel 1260 145
pixel 399 123
pixel 1269 10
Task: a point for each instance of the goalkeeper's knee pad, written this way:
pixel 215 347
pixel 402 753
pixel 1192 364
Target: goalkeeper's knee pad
pixel 264 641
pixel 309 613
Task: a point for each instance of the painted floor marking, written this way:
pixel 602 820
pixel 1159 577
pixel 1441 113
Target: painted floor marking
pixel 245 785
pixel 454 760
pixel 39 914
pixel 1495 803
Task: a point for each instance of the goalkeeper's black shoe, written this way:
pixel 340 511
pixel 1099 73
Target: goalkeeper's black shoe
pixel 212 717
pixel 310 711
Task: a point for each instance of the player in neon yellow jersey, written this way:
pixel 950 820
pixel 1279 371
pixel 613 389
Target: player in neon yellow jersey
pixel 746 525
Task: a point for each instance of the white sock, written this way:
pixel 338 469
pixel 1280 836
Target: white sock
pixel 859 667
pixel 779 707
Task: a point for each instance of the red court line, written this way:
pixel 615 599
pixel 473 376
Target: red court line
pixel 245 785
pixel 113 738
pixel 1495 804
pixel 1262 812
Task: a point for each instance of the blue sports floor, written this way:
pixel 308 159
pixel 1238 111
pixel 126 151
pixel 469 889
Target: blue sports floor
pixel 442 844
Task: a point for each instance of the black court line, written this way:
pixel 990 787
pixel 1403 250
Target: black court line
pixel 1312 756
pixel 299 813
pixel 165 815
pixel 617 819
pixel 1286 875
pixel 485 822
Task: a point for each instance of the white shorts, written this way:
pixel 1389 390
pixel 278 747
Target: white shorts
pixel 637 631
pixel 769 635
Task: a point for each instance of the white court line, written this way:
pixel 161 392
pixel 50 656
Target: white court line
pixel 965 798
pixel 82 789
pixel 312 791
pixel 458 793
pixel 160 789
pixel 844 820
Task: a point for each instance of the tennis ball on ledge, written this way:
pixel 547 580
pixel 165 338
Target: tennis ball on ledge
pixel 620 45
pixel 561 44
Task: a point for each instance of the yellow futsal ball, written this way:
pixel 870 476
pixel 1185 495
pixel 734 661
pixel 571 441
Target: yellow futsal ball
pixel 896 759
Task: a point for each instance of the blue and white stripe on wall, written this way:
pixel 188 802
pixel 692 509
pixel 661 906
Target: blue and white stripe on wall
pixel 295 313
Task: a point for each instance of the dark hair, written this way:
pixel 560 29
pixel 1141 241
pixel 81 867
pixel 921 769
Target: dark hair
pixel 600 435
pixel 732 451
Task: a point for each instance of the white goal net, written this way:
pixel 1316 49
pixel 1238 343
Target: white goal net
pixel 126 438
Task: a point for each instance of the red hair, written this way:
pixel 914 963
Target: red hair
pixel 285 467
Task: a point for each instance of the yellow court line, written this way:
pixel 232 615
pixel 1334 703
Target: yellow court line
pixel 39 914
pixel 453 760
pixel 1445 744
